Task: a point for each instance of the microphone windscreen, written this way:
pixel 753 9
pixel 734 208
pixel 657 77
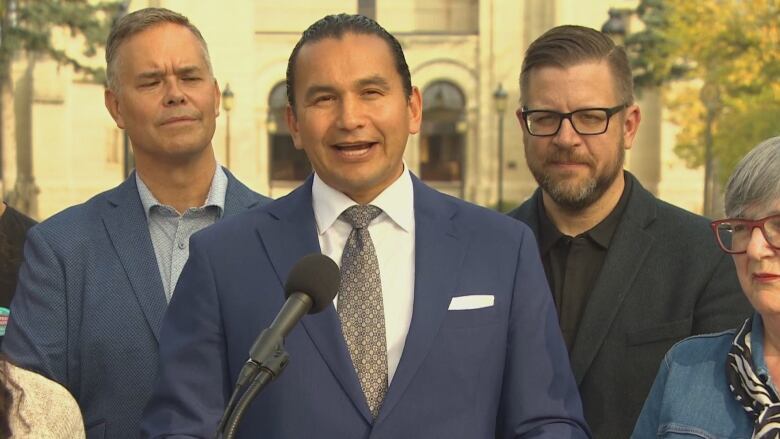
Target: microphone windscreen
pixel 317 276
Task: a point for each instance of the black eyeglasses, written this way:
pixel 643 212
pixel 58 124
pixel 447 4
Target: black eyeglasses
pixel 733 234
pixel 587 121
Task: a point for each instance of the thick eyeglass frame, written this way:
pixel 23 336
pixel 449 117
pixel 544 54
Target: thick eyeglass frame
pixel 524 112
pixel 751 224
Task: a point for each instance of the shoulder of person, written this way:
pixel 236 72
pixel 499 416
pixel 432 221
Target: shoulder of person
pixel 668 212
pixel 702 348
pixel 680 233
pixel 243 191
pixel 35 384
pixel 235 229
pixel 43 406
pixel 484 220
pixel 19 218
pixel 643 205
pixel 79 220
pixel 527 209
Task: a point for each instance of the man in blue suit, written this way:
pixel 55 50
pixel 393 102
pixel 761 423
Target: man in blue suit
pixel 462 341
pixel 97 277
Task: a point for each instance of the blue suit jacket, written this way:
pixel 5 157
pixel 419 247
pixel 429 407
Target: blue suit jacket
pixel 89 305
pixel 500 371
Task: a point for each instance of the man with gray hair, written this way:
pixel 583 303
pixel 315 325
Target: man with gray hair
pixel 630 274
pixel 97 277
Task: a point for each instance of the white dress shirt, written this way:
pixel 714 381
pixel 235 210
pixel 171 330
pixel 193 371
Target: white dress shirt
pixel 392 233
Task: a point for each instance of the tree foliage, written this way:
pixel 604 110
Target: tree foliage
pixel 27 27
pixel 30 29
pixel 718 59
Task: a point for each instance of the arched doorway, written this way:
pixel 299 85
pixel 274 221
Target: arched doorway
pixel 443 133
pixel 287 163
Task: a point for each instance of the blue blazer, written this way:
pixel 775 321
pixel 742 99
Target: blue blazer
pixel 89 305
pixel 500 371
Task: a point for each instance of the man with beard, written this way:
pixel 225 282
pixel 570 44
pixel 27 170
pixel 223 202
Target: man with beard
pixel 630 274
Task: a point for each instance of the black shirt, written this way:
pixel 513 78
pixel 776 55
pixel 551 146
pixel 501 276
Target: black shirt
pixel 13 229
pixel 573 264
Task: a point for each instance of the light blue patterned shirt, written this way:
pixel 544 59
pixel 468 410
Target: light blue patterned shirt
pixel 170 231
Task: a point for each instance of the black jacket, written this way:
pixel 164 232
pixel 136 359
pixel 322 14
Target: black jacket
pixel 664 279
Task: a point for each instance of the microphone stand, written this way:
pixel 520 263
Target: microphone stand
pixel 260 373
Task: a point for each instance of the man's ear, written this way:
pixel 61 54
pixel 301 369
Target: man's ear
pixel 415 111
pixel 112 105
pixel 631 125
pixel 292 124
pixel 218 98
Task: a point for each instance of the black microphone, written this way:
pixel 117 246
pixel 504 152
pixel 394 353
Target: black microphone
pixel 311 286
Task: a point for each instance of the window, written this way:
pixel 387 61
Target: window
pixel 447 16
pixel 287 163
pixel 442 137
pixel 367 8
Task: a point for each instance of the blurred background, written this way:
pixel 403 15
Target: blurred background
pixel 707 76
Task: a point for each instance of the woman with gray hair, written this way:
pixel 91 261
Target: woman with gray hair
pixel 724 385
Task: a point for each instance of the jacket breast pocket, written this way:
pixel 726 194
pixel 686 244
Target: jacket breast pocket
pixel 470 318
pixel 681 431
pixel 96 431
pixel 677 329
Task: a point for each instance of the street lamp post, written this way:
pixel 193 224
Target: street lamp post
pixel 227 105
pixel 500 101
pixel 710 97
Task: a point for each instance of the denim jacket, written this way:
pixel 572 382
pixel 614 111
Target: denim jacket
pixel 691 398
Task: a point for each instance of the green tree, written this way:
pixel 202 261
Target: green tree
pixel 27 28
pixel 718 61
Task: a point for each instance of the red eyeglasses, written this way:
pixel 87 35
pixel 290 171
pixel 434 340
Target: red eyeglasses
pixel 733 234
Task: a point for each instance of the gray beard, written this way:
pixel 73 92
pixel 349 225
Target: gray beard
pixel 572 199
pixel 575 199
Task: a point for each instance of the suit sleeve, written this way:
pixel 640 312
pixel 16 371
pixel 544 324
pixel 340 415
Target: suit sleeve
pixel 192 384
pixel 37 335
pixel 539 397
pixel 721 305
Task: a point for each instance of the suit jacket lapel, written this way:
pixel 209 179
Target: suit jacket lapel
pixel 527 212
pixel 625 257
pixel 128 230
pixel 126 224
pixel 289 234
pixel 439 252
pixel 238 197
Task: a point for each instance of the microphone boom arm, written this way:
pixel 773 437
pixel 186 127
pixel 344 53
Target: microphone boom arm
pixel 266 373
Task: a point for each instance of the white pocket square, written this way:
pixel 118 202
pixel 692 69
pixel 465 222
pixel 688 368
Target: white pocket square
pixel 474 301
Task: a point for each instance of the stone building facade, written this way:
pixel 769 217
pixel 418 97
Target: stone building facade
pixel 459 51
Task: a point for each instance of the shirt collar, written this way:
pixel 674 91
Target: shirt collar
pixel 396 201
pixel 757 346
pixel 215 197
pixel 548 233
pixel 601 233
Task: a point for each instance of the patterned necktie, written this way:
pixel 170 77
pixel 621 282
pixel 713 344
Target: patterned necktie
pixel 360 306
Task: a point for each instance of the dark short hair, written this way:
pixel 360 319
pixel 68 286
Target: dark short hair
pixel 138 21
pixel 336 26
pixel 569 45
